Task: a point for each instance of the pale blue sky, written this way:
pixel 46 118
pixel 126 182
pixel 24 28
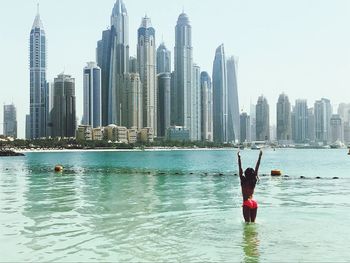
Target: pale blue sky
pixel 301 47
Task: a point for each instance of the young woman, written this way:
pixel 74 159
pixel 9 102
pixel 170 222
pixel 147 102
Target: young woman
pixel 248 182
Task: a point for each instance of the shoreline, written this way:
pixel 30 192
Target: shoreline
pixel 154 149
pixel 120 150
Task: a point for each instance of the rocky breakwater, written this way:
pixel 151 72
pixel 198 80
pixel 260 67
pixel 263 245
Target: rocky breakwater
pixel 8 153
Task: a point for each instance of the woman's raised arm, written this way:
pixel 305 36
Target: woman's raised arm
pixel 240 164
pixel 258 163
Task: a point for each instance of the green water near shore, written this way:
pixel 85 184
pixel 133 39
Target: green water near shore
pixel 173 206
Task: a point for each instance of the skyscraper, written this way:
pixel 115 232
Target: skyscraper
pixel 48 108
pixel 311 125
pixel 164 86
pixel 112 56
pixel 163 59
pixel 195 130
pixel 220 94
pixel 164 83
pixel 252 122
pixel 10 121
pixel 245 127
pixel 344 112
pixel 132 101
pixel 183 73
pixel 323 113
pixel 284 121
pixel 337 129
pixel 64 107
pixel 207 107
pixel 233 121
pixel 92 96
pixel 146 57
pixel 119 64
pixel 37 119
pixel 262 119
pixel 103 58
pixel 301 121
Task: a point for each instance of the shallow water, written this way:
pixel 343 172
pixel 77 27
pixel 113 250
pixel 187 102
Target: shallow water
pixel 173 206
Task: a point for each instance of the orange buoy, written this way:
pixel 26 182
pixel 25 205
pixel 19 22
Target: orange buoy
pixel 58 168
pixel 276 173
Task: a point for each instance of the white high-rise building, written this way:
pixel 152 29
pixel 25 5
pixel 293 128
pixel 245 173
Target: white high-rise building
pixel 132 98
pixel 195 131
pixel 207 107
pixel 92 111
pixel 146 56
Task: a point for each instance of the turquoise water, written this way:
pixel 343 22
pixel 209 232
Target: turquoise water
pixel 173 206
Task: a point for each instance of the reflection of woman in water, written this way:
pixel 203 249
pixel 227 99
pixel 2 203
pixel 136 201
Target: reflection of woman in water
pixel 248 182
pixel 250 243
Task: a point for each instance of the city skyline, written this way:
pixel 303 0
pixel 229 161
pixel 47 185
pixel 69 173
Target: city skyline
pixel 270 83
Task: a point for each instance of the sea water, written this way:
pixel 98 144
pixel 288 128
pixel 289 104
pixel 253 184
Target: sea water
pixel 173 206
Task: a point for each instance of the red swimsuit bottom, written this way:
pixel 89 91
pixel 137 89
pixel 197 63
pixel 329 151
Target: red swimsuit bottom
pixel 252 204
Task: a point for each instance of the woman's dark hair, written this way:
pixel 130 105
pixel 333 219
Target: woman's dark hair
pixel 250 176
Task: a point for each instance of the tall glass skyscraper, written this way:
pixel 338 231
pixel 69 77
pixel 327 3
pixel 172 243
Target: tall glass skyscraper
pixel 262 119
pixel 183 73
pixel 207 107
pixel 37 120
pixel 113 59
pixel 64 107
pixel 163 59
pixel 284 121
pixel 146 56
pixel 164 80
pixel 103 58
pixel 323 114
pixel 10 121
pixel 220 107
pixel 301 121
pixel 245 128
pixel 233 120
pixel 92 112
pixel 119 60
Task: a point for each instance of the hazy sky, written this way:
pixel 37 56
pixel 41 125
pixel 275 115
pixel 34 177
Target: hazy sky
pixel 301 47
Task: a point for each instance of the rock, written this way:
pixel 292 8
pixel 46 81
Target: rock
pixel 7 153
